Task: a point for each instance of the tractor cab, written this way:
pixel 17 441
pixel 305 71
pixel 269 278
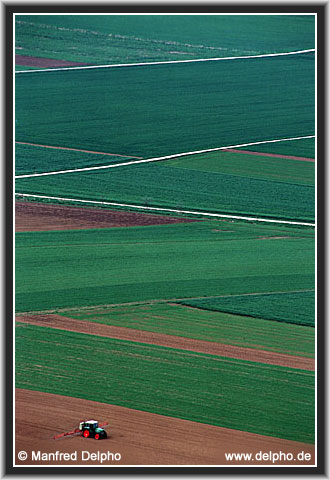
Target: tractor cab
pixel 90 424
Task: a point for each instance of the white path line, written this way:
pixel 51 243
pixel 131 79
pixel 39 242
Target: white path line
pixel 190 212
pixel 218 59
pixel 158 159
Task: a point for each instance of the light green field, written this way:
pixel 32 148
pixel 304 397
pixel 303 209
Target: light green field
pixel 211 326
pixel 98 267
pixel 249 166
pixel 107 39
pixel 248 396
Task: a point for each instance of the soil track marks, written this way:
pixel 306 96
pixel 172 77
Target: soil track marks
pixel 42 62
pixel 33 216
pixel 171 341
pixel 141 438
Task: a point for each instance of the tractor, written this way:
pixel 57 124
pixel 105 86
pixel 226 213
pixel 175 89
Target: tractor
pixel 91 429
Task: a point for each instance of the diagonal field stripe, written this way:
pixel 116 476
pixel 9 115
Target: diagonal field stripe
pixel 244 57
pixel 158 159
pixel 190 212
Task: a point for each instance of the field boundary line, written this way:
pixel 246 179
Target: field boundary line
pixel 149 302
pixel 166 62
pixel 158 159
pixel 158 209
pixel 76 150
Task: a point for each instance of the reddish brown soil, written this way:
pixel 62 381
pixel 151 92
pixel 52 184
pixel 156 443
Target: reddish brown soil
pixel 141 438
pixel 33 216
pixel 77 150
pixel 183 343
pixel 275 155
pixel 41 62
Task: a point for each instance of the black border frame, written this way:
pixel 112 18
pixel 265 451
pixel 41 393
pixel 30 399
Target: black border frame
pixel 318 8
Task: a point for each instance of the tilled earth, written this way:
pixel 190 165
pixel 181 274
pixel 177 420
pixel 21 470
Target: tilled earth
pixel 34 216
pixel 141 438
pixel 27 61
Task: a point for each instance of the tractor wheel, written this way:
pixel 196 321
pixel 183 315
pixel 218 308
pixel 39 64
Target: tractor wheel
pixel 86 433
pixel 97 436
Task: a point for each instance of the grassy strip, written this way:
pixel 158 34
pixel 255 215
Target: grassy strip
pixel 168 109
pixel 130 38
pixel 297 308
pixel 242 395
pixel 110 266
pixel 204 325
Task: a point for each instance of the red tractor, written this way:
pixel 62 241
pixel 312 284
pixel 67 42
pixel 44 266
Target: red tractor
pixel 88 429
pixel 91 429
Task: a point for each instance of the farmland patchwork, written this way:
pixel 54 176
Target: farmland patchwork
pixel 206 325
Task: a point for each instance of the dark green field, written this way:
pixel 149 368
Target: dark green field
pixel 168 109
pixel 107 39
pixel 91 267
pixel 264 399
pixel 298 307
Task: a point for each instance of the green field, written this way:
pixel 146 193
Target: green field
pixel 158 185
pixel 263 399
pixel 297 307
pixel 103 38
pixel 168 109
pixel 205 325
pixel 92 267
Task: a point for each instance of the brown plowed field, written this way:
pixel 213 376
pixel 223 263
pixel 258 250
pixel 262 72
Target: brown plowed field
pixel 183 343
pixel 33 216
pixel 141 438
pixel 41 62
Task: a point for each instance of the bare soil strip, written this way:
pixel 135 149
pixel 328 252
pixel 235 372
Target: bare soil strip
pixel 33 216
pixel 183 343
pixel 27 61
pixel 141 438
pixel 77 150
pixel 275 155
